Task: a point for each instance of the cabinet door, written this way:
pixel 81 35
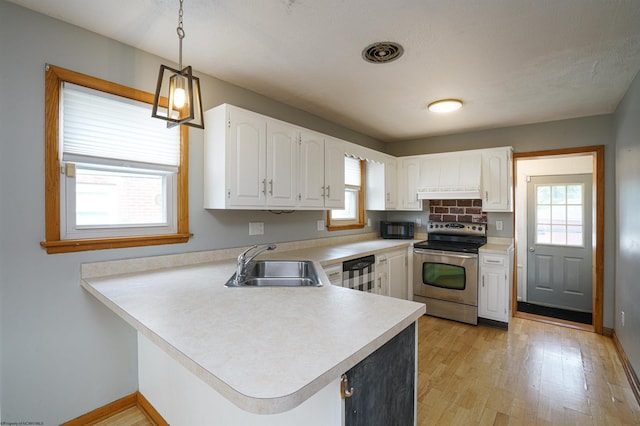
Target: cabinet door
pixel 410 175
pixel 398 270
pixel 391 183
pixel 496 181
pixel 493 291
pixel 311 191
pixel 282 161
pixel 334 173
pixel 246 160
pixel 493 304
pixel 429 173
pixel 384 384
pixel 382 273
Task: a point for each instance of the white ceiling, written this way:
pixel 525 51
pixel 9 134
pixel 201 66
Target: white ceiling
pixel 511 61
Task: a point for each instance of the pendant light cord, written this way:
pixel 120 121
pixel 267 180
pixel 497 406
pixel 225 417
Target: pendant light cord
pixel 180 31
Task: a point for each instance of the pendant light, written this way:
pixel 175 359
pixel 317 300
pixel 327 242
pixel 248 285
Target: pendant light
pixel 178 92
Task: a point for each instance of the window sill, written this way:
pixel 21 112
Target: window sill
pixel 69 246
pixel 345 227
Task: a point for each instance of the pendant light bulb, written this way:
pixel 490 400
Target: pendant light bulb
pixel 179 97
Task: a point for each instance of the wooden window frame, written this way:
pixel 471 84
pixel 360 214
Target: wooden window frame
pixel 54 77
pixel 335 225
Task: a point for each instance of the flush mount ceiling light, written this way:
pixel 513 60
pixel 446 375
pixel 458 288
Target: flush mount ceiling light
pixel 178 91
pixel 382 52
pixel 445 105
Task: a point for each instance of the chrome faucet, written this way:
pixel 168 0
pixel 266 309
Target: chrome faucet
pixel 243 261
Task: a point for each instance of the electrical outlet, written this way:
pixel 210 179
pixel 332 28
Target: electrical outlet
pixel 369 222
pixel 622 318
pixel 256 228
pixel 320 225
pixel 498 225
pixel 418 222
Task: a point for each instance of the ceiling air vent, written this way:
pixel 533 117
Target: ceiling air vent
pixel 382 52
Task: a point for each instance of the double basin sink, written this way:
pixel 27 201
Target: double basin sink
pixel 278 273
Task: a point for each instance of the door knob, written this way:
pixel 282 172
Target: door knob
pixel 532 249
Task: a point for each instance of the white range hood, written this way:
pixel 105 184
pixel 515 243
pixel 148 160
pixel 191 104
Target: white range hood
pixel 450 177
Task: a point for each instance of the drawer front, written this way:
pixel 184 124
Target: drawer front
pixel 493 260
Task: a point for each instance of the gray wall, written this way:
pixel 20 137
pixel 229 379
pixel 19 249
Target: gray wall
pixel 588 131
pixel 627 156
pixel 63 353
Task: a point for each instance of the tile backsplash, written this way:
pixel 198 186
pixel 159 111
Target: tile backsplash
pixel 456 211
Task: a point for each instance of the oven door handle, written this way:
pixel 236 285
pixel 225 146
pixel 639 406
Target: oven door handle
pixel 446 253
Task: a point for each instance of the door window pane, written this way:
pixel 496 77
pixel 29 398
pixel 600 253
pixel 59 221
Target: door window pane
pixel 544 194
pixel 559 194
pixel 559 214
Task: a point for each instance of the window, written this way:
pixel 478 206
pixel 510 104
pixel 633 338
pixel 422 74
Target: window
pixel 352 216
pixel 115 177
pixel 559 214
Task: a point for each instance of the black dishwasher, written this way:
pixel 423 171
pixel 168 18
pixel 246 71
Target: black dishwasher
pixel 359 274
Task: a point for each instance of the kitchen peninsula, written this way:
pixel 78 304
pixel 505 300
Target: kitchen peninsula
pixel 254 356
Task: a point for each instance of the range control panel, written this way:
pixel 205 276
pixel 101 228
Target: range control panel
pixel 457 228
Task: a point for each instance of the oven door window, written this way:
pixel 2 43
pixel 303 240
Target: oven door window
pixel 444 275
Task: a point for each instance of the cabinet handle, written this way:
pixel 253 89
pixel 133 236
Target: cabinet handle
pixel 328 191
pixel 486 195
pixel 345 390
pixel 271 187
pixel 483 281
pixel 264 186
pixel 323 191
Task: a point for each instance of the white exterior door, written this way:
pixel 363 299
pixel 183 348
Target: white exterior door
pixel 559 262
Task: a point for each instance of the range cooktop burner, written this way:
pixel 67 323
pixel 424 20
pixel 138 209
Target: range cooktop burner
pixel 454 236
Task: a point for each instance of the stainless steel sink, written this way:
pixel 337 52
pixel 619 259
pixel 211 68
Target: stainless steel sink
pixel 279 273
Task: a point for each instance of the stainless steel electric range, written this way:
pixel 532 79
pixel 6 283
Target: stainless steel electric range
pixel 445 270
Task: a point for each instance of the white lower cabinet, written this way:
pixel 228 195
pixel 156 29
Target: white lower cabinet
pixel 334 273
pixel 494 287
pixel 392 271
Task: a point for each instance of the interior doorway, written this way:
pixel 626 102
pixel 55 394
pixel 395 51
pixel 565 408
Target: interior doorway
pixel 558 273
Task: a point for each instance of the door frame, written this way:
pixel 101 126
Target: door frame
pixel 597 275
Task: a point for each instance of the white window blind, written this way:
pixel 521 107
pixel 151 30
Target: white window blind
pixel 96 124
pixel 352 171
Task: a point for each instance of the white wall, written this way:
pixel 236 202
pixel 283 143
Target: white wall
pixel 627 157
pixel 64 353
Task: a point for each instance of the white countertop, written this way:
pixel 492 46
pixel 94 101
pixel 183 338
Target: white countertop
pixel 497 245
pixel 265 349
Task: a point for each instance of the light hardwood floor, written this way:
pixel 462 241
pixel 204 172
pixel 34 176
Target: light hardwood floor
pixel 130 417
pixel 534 374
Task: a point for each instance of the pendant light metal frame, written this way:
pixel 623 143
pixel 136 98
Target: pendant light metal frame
pixel 189 114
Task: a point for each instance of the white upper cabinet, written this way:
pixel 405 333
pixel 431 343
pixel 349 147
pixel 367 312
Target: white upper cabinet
pixel 282 164
pixel 321 171
pixel 408 179
pixel 381 181
pixel 450 176
pixel 250 160
pixel 497 180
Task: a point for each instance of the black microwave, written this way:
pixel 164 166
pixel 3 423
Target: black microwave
pixel 396 230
